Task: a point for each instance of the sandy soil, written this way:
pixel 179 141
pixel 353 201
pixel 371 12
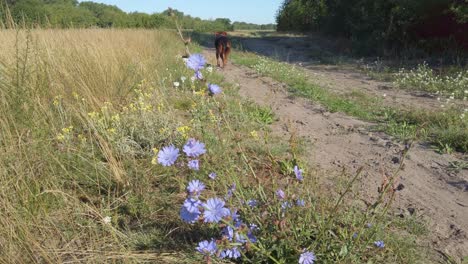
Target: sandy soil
pixel 341 142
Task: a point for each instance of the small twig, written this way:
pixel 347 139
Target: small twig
pixel 185 41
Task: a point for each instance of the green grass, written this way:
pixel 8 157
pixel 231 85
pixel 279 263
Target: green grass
pixel 84 114
pixel 447 128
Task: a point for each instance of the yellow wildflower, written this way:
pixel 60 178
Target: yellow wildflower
pixel 82 138
pixel 183 130
pixel 254 134
pixel 111 131
pixel 115 118
pixel 60 137
pixel 57 100
pixel 67 130
pixel 93 115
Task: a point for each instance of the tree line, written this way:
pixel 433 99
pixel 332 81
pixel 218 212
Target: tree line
pixel 381 25
pixel 71 13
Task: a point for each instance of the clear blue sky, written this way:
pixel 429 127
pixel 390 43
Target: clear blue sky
pixel 252 11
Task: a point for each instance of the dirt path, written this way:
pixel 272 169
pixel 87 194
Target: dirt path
pixel 306 52
pixel 339 141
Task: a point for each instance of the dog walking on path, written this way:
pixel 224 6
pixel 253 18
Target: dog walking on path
pixel 223 48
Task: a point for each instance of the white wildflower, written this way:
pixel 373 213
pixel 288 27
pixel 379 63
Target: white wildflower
pixel 107 220
pixel 176 84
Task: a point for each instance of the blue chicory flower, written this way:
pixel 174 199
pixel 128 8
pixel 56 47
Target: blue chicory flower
pixel 228 232
pixel 187 216
pixel 196 62
pixel 194 165
pixel 298 173
pixel 214 210
pixel 300 202
pixel 212 175
pixel 232 253
pixel 198 75
pixel 214 89
pixel 168 155
pixel 192 205
pixel 307 258
pixel 195 187
pixel 194 148
pixel 379 244
pixel 207 248
pixel 233 214
pixel 285 205
pixel 231 190
pixel 252 202
pixel 280 193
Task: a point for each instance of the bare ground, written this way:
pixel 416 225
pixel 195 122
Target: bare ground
pixel 338 141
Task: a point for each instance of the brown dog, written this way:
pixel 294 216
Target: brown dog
pixel 223 47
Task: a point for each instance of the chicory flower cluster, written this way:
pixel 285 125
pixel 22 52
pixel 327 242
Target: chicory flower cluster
pixel 168 155
pixel 235 235
pixel 197 62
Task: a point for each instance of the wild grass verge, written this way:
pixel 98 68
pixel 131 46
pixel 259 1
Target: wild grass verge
pixel 444 129
pixel 87 116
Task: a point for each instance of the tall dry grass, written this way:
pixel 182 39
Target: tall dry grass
pixel 47 212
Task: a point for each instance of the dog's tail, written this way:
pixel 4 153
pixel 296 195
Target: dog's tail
pixel 227 46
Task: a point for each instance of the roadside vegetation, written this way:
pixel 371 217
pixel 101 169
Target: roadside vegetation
pixel 112 149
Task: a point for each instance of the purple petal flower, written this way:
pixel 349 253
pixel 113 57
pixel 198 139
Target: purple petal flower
pixel 240 238
pixel 231 190
pixel 214 210
pixel 307 258
pixel 285 205
pixel 379 244
pixel 198 75
pixel 196 62
pixel 233 214
pixel 195 187
pixel 232 253
pixel 212 175
pixel 214 89
pixel 194 148
pixel 168 155
pixel 300 202
pixel 298 173
pixel 355 235
pixel 187 216
pixel 192 205
pixel 228 232
pixel 207 248
pixel 281 195
pixel 194 165
pixel 252 203
pixel 253 227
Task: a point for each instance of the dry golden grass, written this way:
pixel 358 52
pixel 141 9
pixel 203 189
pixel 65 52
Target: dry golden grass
pixel 47 214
